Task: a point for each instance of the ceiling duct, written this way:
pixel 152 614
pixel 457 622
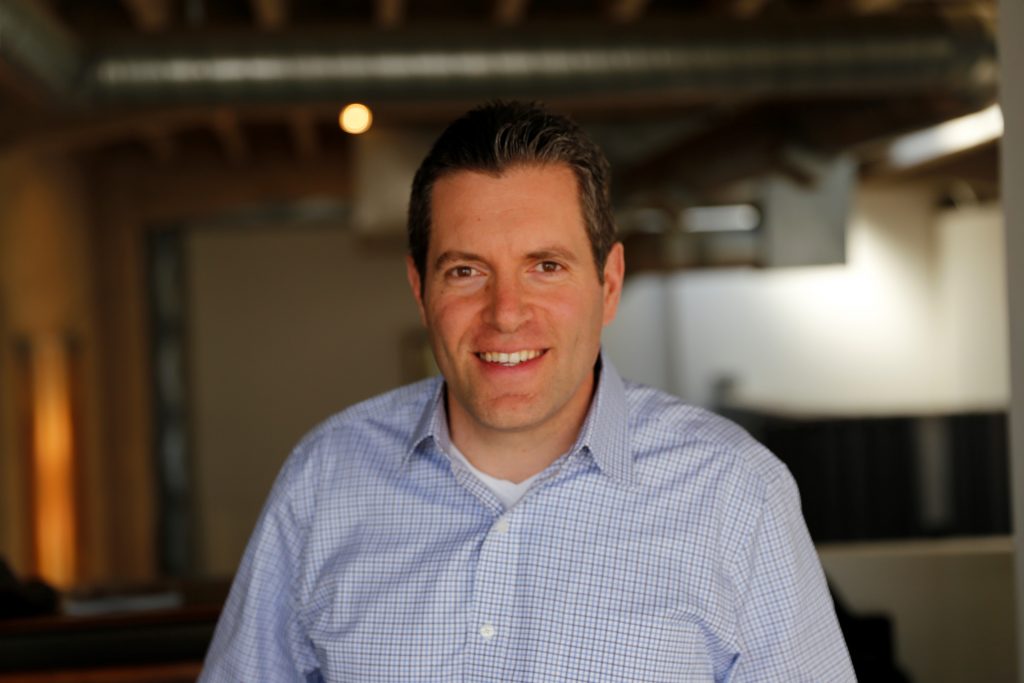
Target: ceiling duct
pixel 702 61
pixel 35 46
pixel 712 62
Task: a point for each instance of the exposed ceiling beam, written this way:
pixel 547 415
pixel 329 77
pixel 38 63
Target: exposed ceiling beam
pixel 746 9
pixel 303 129
pixel 974 171
pixel 270 15
pixel 149 15
pixel 753 142
pixel 389 13
pixel 229 131
pixel 626 11
pixel 510 12
pixel 754 139
pixel 160 142
pixel 94 130
pixel 874 6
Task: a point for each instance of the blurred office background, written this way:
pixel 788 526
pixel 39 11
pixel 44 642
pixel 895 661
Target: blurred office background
pixel 197 264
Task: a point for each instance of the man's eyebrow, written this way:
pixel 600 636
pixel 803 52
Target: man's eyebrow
pixel 455 255
pixel 542 254
pixel 552 253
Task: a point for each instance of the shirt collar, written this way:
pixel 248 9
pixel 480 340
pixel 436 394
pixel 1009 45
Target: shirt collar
pixel 605 432
pixel 433 423
pixel 604 435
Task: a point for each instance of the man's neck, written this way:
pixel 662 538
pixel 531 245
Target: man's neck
pixel 517 455
pixel 513 457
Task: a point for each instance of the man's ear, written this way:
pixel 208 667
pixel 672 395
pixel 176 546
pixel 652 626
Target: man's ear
pixel 614 274
pixel 416 284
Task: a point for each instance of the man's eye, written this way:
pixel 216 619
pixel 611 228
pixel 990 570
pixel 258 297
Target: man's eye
pixel 462 271
pixel 549 267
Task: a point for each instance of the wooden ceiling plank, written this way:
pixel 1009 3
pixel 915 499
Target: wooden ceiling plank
pixel 510 12
pixel 270 15
pixel 874 6
pixel 151 16
pixel 626 11
pixel 746 9
pixel 389 13
pixel 229 131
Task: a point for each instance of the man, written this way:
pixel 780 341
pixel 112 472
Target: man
pixel 530 516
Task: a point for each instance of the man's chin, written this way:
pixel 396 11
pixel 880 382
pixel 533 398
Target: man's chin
pixel 509 420
pixel 508 414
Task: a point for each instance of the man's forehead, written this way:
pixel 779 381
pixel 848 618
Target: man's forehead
pixel 556 177
pixel 466 202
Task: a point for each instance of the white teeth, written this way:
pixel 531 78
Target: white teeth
pixel 508 359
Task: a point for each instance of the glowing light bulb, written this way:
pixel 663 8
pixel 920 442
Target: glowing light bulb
pixel 355 118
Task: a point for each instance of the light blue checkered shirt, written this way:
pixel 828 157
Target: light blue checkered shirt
pixel 666 545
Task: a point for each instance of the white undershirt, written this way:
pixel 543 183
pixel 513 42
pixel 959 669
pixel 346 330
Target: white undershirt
pixel 508 492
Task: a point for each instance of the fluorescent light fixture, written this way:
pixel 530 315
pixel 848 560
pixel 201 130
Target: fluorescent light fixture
pixel 947 138
pixel 725 218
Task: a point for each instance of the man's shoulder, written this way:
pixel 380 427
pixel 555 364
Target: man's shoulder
pixel 675 433
pixel 350 453
pixel 378 425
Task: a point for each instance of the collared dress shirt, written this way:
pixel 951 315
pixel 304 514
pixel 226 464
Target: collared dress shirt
pixel 665 545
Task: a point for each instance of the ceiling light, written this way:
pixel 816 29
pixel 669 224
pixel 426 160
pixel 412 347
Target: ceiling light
pixel 355 118
pixel 947 138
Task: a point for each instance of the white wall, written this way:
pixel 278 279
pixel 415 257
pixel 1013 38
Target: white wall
pixel 637 341
pixel 913 322
pixel 972 329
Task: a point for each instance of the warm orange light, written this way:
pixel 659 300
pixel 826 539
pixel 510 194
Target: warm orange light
pixel 54 466
pixel 355 118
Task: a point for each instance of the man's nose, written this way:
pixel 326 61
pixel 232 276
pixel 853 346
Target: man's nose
pixel 507 305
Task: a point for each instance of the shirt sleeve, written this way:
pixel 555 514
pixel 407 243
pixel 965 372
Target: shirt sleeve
pixel 259 636
pixel 786 623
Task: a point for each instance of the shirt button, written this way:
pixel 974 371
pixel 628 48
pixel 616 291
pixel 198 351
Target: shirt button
pixel 501 526
pixel 487 631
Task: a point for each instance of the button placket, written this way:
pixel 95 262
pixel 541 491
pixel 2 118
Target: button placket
pixel 494 592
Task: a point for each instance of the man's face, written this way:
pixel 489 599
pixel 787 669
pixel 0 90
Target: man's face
pixel 512 300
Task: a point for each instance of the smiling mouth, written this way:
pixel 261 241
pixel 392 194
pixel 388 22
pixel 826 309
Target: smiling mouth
pixel 509 360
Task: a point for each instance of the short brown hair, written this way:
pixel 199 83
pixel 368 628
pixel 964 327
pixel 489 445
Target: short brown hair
pixel 500 135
